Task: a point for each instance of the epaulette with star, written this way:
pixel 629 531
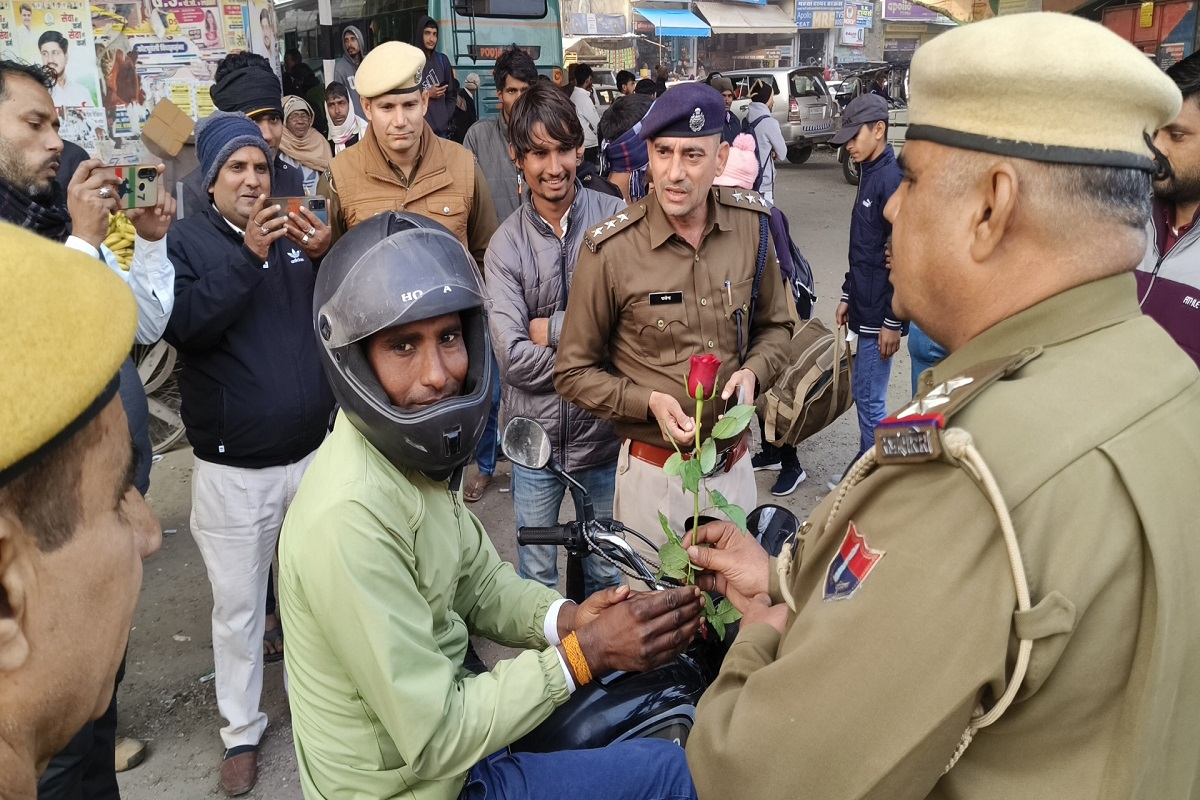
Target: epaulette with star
pixel 913 434
pixel 603 231
pixel 742 198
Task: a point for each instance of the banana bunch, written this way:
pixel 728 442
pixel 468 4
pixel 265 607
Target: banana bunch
pixel 120 239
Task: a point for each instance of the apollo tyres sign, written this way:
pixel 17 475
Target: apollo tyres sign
pixel 818 14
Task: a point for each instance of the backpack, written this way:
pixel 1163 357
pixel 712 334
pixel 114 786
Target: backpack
pixel 748 127
pixel 813 391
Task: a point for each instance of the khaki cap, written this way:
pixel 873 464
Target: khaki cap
pixel 68 326
pixel 391 68
pixel 1040 86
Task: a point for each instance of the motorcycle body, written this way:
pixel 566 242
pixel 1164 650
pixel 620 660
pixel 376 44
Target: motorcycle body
pixel 660 703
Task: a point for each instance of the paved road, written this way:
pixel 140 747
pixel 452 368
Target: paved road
pixel 168 698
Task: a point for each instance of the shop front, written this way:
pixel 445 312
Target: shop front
pixel 669 36
pixel 746 36
pixel 907 26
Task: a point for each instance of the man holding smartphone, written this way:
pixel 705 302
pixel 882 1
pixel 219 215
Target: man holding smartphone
pixel 255 404
pixel 75 211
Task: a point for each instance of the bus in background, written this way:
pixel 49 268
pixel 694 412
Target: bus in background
pixel 472 33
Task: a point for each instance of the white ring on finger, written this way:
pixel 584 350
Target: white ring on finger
pixel 105 193
pixel 312 231
pixel 264 230
pixel 304 239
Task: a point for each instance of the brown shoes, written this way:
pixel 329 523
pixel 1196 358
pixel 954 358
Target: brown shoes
pixel 239 770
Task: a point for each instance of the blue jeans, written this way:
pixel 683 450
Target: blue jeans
pixel 485 451
pixel 537 497
pixel 638 769
pixel 870 390
pixel 925 352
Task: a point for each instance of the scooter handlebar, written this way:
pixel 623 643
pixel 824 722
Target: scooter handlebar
pixel 556 535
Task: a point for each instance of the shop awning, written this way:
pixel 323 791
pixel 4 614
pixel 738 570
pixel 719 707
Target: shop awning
pixel 675 23
pixel 740 18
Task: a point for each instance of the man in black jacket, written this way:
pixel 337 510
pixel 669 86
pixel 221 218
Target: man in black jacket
pixel 255 404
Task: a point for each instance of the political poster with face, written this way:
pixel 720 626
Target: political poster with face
pixel 264 28
pixel 58 36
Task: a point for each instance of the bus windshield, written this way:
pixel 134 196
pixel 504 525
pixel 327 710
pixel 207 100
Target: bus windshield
pixel 516 9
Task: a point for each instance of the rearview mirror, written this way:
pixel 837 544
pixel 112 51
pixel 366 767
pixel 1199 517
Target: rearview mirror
pixel 773 526
pixel 526 443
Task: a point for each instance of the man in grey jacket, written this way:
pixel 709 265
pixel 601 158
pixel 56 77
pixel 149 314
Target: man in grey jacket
pixel 354 47
pixel 528 269
pixel 488 140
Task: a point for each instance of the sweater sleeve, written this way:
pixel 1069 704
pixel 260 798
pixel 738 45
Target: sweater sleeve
pixel 891 182
pixel 370 608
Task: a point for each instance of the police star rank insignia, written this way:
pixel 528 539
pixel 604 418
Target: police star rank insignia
pixel 696 121
pixel 850 566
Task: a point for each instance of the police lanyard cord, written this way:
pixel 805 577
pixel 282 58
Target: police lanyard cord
pixel 961 447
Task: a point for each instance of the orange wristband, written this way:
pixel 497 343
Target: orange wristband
pixel 579 665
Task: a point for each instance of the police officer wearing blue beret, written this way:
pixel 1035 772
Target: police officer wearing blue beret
pixel 672 277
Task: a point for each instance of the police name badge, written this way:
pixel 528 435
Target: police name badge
pixel 909 440
pixel 696 121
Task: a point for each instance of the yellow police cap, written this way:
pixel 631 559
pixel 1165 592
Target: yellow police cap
pixel 68 325
pixel 392 67
pixel 1040 86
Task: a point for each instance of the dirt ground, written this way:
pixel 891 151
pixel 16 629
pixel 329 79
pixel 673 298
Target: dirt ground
pixel 167 698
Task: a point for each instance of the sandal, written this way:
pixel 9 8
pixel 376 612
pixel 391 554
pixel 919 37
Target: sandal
pixel 477 484
pixel 273 644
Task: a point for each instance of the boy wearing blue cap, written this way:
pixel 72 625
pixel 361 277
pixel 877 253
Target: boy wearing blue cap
pixel 867 293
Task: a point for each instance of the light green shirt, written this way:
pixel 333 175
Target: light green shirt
pixel 383 573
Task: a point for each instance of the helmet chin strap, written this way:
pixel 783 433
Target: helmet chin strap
pixel 456 478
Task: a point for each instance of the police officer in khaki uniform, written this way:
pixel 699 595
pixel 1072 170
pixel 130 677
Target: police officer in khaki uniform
pixel 401 164
pixel 1007 584
pixel 669 278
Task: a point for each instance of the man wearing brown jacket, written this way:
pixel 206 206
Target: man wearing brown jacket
pixel 401 164
pixel 999 601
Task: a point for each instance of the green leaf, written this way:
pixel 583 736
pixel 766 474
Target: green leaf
pixel 717 626
pixel 708 456
pixel 733 422
pixel 726 612
pixel 671 535
pixel 674 560
pixel 710 610
pixel 734 512
pixel 673 466
pixel 691 475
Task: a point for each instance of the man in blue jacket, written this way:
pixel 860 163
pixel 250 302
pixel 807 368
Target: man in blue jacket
pixel 255 404
pixel 867 291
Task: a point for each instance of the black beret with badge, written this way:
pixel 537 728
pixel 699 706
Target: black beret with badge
pixel 687 110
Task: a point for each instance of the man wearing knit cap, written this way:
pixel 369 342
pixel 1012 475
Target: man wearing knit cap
pixel 73 528
pixel 255 404
pixel 997 601
pixel 671 277
pixel 245 83
pixel 731 125
pixel 401 164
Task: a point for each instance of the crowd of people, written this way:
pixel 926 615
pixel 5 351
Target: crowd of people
pixel 1005 568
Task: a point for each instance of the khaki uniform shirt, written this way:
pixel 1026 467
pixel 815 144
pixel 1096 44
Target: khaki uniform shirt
pixel 645 300
pixel 1095 445
pixel 445 185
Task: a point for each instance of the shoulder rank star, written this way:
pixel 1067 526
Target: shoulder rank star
pixel 850 566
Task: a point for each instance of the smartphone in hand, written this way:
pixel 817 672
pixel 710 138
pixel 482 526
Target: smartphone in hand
pixel 137 187
pixel 291 205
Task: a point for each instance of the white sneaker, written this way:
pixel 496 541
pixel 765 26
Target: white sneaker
pixel 834 480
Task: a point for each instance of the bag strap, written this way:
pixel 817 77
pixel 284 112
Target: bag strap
pixel 764 238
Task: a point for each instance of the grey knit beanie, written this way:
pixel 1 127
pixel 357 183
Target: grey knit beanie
pixel 223 134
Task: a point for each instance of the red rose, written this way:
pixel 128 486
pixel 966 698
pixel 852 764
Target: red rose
pixel 702 375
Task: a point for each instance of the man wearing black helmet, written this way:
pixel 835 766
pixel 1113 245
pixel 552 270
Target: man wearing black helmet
pixel 385 573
